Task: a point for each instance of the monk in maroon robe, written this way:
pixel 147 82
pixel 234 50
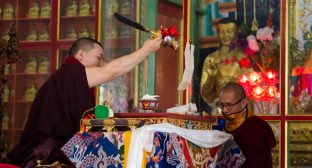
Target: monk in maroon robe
pixel 59 104
pixel 252 134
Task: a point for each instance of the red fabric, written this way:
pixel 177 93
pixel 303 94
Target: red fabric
pixel 8 166
pixel 256 139
pixel 71 60
pixel 186 153
pixel 54 116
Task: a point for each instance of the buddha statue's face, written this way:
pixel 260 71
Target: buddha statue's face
pixel 227 33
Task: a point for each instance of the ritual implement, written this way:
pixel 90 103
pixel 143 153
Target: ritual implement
pixel 168 34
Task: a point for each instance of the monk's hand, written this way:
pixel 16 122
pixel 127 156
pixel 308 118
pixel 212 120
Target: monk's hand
pixel 152 45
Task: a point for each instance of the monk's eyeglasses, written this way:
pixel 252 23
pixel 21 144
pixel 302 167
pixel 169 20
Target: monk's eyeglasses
pixel 228 105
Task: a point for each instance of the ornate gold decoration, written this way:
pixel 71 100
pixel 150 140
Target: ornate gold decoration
pixel 132 123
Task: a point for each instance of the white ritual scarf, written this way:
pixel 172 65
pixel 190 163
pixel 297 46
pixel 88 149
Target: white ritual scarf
pixel 142 138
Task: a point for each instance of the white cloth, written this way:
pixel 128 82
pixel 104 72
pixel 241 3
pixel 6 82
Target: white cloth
pixel 189 66
pixel 191 107
pixel 142 138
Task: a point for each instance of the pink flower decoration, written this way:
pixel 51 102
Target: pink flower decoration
pixel 252 43
pixel 265 34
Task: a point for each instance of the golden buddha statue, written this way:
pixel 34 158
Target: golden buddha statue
pixel 8 11
pixel 44 35
pixel 71 34
pixel 5 36
pixel 5 121
pixel 45 11
pixel 30 92
pixel 0 12
pixel 33 11
pixel 84 8
pixel 44 65
pixel 72 8
pixel 6 93
pixel 32 36
pixel 31 65
pixel 222 66
pixel 7 69
pixel 84 33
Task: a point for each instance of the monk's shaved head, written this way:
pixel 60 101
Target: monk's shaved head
pixel 236 88
pixel 85 44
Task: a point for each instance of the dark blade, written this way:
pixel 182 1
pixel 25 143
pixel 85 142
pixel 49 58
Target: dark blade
pixel 130 22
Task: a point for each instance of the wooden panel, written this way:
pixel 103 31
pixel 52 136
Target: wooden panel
pixel 167 59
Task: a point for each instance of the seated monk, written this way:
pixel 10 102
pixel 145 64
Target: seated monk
pixel 223 65
pixel 253 135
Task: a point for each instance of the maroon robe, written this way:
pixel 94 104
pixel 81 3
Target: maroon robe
pixel 255 138
pixel 54 116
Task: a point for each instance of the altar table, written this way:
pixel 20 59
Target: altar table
pixel 108 149
pixel 109 146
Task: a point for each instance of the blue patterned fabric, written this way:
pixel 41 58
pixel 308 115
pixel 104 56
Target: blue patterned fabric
pixel 98 149
pixel 95 149
pixel 168 151
pixel 230 155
